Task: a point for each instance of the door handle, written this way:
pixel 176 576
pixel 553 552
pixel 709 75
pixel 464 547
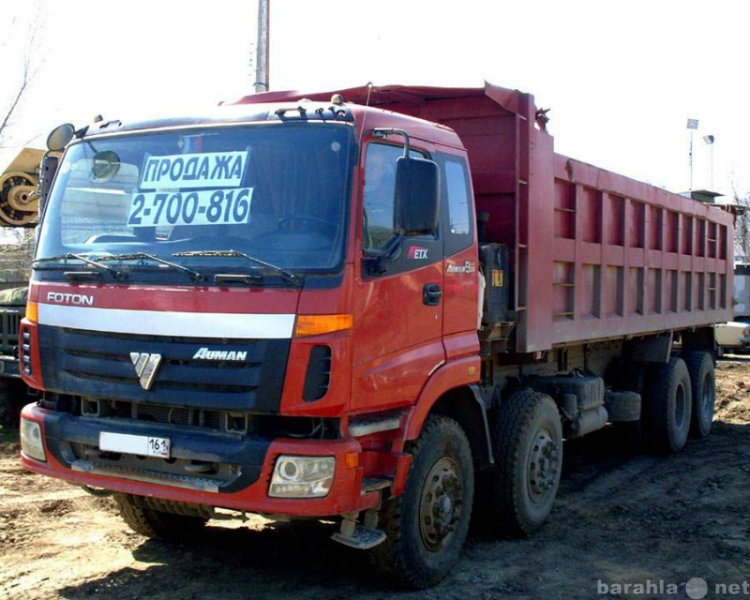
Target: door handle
pixel 431 294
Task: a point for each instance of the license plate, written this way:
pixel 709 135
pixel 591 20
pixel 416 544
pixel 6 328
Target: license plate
pixel 134 444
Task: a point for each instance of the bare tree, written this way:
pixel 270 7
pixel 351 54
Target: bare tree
pixel 30 63
pixel 23 85
pixel 22 57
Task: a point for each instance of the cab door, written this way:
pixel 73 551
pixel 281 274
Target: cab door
pixel 398 299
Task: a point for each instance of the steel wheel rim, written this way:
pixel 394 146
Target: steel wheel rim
pixel 441 503
pixel 544 466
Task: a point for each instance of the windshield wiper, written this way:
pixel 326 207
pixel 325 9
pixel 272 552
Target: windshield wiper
pixel 287 275
pixel 195 275
pixel 118 275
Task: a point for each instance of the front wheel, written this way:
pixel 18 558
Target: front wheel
pixel 152 523
pixel 427 525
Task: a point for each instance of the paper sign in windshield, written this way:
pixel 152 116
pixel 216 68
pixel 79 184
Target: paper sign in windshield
pixel 193 171
pixel 198 207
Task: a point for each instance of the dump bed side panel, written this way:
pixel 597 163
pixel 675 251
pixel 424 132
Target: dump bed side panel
pixel 631 258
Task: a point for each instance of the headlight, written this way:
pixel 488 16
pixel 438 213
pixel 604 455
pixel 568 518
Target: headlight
pixel 302 476
pixel 31 440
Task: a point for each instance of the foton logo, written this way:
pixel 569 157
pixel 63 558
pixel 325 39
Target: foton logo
pixel 75 299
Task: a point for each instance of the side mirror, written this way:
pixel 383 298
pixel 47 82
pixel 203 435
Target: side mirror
pixel 416 206
pixel 60 136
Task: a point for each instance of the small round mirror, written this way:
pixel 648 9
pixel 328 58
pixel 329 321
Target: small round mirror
pixel 105 165
pixel 60 136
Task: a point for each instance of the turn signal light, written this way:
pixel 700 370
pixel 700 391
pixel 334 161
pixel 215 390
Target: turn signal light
pixel 308 325
pixel 32 312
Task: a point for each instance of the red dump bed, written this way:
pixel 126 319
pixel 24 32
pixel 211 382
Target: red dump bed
pixel 594 254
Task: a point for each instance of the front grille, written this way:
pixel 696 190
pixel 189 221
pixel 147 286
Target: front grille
pixel 10 321
pixel 170 415
pixel 177 415
pixel 244 375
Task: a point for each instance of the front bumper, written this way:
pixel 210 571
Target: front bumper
pixel 70 444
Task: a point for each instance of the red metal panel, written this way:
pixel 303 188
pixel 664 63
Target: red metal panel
pixel 537 217
pixel 663 259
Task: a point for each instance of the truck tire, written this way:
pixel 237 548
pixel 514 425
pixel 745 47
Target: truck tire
pixel 528 447
pixel 700 366
pixel 427 525
pixel 154 523
pixel 667 407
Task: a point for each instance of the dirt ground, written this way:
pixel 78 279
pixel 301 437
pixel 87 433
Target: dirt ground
pixel 625 525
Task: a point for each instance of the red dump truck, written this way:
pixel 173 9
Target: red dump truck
pixel 386 306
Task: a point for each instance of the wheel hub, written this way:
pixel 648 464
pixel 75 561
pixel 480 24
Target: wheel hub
pixel 441 504
pixel 544 465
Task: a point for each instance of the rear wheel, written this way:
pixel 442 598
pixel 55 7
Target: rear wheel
pixel 152 523
pixel 668 406
pixel 427 525
pixel 528 445
pixel 700 366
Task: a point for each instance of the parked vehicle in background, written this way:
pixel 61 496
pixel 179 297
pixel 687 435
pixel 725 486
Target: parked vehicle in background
pixel 742 289
pixel 733 336
pixel 18 209
pixel 310 305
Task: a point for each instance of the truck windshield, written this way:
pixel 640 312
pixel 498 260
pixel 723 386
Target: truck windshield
pixel 274 192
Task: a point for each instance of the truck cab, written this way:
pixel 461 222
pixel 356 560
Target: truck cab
pixel 240 310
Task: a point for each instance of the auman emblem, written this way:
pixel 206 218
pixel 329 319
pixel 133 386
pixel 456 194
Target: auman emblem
pixel 146 366
pixel 207 354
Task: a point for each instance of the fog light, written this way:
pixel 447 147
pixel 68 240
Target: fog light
pixel 31 440
pixel 302 476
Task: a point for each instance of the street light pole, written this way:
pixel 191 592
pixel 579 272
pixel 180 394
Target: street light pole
pixel 261 51
pixel 692 125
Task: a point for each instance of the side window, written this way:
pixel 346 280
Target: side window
pixel 379 193
pixel 380 183
pixel 460 233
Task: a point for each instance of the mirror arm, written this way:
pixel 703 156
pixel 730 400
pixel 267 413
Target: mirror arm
pixel 385 132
